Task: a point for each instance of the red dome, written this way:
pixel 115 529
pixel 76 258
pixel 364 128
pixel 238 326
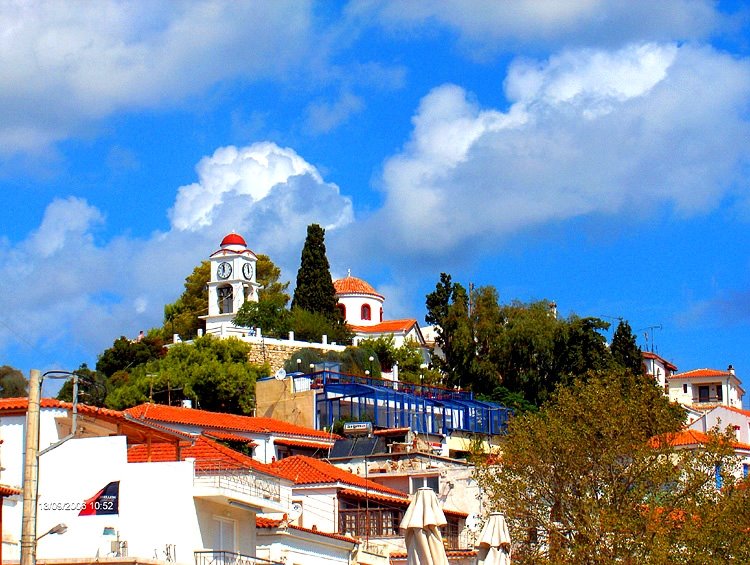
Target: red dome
pixel 233 239
pixel 353 285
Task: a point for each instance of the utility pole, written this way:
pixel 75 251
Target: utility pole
pixel 31 472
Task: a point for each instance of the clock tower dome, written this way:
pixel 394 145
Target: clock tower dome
pixel 233 282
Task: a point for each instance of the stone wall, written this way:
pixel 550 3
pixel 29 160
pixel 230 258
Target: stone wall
pixel 274 355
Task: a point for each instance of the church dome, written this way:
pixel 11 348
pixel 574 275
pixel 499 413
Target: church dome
pixel 233 239
pixel 354 285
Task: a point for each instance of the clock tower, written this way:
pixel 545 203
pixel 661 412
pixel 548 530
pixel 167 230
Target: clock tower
pixel 233 282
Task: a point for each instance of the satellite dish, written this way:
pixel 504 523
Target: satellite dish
pixel 280 375
pixel 295 511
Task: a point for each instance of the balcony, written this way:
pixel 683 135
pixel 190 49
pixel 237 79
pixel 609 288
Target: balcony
pixel 223 484
pixel 217 557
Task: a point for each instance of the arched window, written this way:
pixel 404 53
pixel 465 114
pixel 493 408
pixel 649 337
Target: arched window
pixel 226 299
pixel 342 309
pixel 381 313
pixel 366 314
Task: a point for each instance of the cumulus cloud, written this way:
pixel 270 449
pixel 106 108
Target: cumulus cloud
pixel 486 26
pixel 587 132
pixel 62 287
pixel 62 66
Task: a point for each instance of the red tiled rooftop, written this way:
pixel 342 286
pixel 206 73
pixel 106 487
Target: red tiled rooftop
pixel 300 443
pixel 20 404
pixel 305 470
pixel 222 421
pixel 688 437
pixel 261 522
pixel 654 356
pixel 207 453
pixel 353 285
pixel 701 373
pixel 389 326
pixel 226 436
pixel 5 490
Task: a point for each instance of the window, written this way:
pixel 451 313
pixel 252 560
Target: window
pixel 357 519
pixel 719 393
pixel 342 309
pixel 224 534
pixel 381 313
pixel 684 388
pixel 703 394
pixel 745 470
pixel 226 299
pixel 366 313
pixel 415 483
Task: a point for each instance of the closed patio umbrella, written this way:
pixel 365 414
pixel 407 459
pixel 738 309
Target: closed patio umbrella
pixel 494 542
pixel 423 518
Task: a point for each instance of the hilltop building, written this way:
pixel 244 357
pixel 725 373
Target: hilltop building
pixel 703 389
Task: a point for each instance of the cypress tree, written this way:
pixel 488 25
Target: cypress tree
pixel 625 351
pixel 315 291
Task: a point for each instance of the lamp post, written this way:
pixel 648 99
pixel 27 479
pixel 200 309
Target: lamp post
pixel 299 365
pixel 371 359
pixel 31 460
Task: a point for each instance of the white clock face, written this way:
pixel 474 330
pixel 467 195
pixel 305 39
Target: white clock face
pixel 224 270
pixel 247 271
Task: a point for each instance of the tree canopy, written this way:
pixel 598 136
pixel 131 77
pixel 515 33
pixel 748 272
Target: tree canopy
pixel 12 382
pixel 315 291
pixel 182 316
pixel 593 477
pixel 213 373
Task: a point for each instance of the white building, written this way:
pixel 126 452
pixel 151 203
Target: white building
pixel 659 368
pixel 362 308
pixel 702 389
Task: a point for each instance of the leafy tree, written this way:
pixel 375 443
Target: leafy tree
pixel 269 315
pixel 580 347
pixel 215 373
pixel 594 478
pixel 409 358
pixel 624 349
pixel 12 383
pixel 312 326
pixel 181 316
pixel 268 274
pixel 126 354
pixel 315 291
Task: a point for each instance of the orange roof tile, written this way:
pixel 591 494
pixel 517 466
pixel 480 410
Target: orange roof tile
pixel 5 490
pixel 701 373
pixel 226 436
pixel 207 453
pixel 222 421
pixel 688 437
pixel 305 470
pixel 21 404
pixel 449 553
pixel 389 326
pixel 298 443
pixel 261 522
pixel 353 285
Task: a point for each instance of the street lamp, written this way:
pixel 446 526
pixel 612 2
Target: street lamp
pixel 371 359
pixel 59 529
pixel 31 459
pixel 299 365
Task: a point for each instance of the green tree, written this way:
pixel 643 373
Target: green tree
pixel 126 354
pixel 625 351
pixel 182 316
pixel 593 477
pixel 12 383
pixel 312 326
pixel 214 373
pixel 268 274
pixel 581 347
pixel 315 291
pixel 269 315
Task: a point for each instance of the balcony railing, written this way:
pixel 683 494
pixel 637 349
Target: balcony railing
pixel 216 557
pixel 238 479
pixel 704 399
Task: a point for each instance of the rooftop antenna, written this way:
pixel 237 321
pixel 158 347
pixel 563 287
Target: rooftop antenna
pixel 649 330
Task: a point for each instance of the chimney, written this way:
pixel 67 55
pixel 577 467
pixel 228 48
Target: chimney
pixel 731 369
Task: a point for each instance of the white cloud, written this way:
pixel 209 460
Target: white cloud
pixel 62 66
pixel 588 132
pixel 486 25
pixel 61 287
pixel 323 117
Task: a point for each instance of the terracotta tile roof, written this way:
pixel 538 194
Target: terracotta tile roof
pixel 300 443
pixel 701 373
pixel 688 437
pixel 5 490
pixel 353 285
pixel 222 421
pixel 667 364
pixel 389 326
pixel 358 494
pixel 391 431
pixel 207 453
pixel 305 470
pixel 22 403
pixel 261 522
pixel 226 436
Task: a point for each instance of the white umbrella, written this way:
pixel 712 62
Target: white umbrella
pixel 423 518
pixel 494 542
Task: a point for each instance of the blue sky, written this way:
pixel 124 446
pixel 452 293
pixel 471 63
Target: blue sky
pixel 590 152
